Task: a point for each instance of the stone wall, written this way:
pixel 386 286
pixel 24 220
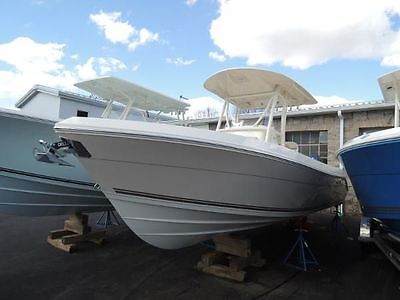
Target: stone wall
pixel 353 122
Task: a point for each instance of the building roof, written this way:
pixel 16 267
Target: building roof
pixel 314 110
pixel 37 88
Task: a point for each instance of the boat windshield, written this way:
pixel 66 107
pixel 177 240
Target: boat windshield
pixel 263 128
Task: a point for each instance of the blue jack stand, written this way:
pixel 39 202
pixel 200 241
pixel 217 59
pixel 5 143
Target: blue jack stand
pixel 304 255
pixel 108 218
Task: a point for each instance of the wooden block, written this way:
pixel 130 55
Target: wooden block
pixel 225 272
pixel 211 258
pixel 60 245
pixel 72 238
pixel 55 234
pixel 75 230
pixel 76 227
pixel 239 263
pixel 233 245
pixel 94 236
pixel 79 219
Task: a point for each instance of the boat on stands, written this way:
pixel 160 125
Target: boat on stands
pixel 372 163
pixel 39 176
pixel 176 186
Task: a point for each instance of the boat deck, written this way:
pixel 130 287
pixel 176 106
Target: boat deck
pixel 127 268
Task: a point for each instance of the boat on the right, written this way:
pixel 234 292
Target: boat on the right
pixel 372 162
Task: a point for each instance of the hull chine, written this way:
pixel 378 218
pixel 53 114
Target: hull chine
pixel 28 195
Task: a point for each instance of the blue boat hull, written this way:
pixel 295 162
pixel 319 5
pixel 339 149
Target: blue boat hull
pixel 374 170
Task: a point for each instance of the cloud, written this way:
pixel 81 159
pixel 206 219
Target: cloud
pixel 135 67
pixel 44 56
pixel 114 30
pixel 203 107
pixel 331 100
pixel 190 2
pixel 145 36
pixel 96 66
pixel 43 64
pixel 217 56
pixel 117 31
pixel 179 61
pixel 301 34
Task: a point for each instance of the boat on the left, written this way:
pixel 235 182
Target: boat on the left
pixel 38 175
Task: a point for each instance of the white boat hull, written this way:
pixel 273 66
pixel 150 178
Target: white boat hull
pixel 174 191
pixel 178 224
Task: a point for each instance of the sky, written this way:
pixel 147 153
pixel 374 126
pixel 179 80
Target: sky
pixel 335 49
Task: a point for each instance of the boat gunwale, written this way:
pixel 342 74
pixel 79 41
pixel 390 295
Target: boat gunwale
pixel 275 155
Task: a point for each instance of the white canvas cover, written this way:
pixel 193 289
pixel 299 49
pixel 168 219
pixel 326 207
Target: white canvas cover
pixel 119 90
pixel 252 88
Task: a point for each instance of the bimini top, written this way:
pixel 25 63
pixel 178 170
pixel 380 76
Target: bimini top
pixel 253 88
pixel 390 85
pixel 119 90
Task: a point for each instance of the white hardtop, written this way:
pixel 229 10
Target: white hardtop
pixel 390 85
pixel 253 88
pixel 128 93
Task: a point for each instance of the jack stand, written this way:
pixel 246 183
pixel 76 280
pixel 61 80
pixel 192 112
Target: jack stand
pixel 337 221
pixel 302 249
pixel 108 218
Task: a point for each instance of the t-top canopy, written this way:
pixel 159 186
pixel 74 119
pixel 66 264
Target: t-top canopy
pixel 390 85
pixel 119 90
pixel 253 88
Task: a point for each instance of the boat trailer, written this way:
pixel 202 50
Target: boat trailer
pixel 372 230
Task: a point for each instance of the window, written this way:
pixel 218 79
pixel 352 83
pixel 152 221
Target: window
pixel 212 126
pixel 311 143
pixel 82 113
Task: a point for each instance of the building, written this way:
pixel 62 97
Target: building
pixel 55 104
pixel 320 131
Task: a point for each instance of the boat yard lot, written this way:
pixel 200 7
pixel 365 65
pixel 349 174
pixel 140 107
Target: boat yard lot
pixel 127 268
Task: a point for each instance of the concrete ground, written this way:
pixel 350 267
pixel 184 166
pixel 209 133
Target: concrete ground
pixel 127 268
